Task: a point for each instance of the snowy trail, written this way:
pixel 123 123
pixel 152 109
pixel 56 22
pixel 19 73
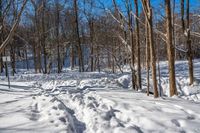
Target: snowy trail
pixel 124 112
pixel 27 109
pixel 87 102
pixel 53 107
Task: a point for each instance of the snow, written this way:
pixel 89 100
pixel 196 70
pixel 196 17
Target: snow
pixel 93 102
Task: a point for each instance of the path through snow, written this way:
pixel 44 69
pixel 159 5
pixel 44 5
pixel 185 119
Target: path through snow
pixel 94 103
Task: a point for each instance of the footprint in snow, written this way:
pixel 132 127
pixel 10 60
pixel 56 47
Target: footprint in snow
pixel 34 116
pixel 51 121
pixel 191 117
pixel 55 108
pixel 62 119
pixel 174 121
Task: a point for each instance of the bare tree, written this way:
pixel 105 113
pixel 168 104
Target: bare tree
pixel 149 18
pixel 1 34
pixel 137 30
pixel 80 54
pixel 187 33
pixel 13 29
pixel 170 49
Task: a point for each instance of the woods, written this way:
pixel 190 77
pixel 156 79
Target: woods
pixel 92 35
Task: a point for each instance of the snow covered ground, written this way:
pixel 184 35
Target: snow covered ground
pixel 93 102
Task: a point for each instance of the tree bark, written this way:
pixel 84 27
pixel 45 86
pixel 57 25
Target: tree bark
pixel 137 30
pixel 80 54
pixel 153 55
pixel 189 46
pixel 147 56
pixel 43 43
pixel 1 35
pixel 57 37
pixel 12 53
pixel 149 17
pixel 170 49
pixel 91 25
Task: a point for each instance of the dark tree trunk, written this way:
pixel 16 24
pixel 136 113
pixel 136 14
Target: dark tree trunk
pixel 57 36
pixel 72 58
pixel 80 54
pixel 1 36
pixel 12 53
pixel 43 43
pixel 147 55
pixel 26 56
pixel 139 84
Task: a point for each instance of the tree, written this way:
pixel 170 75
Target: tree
pixel 57 25
pixel 43 38
pixel 186 32
pixel 13 29
pixel 149 18
pixel 1 34
pixel 170 49
pixel 80 54
pixel 131 40
pixel 137 30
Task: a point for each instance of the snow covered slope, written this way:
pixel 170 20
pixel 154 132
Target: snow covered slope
pixel 94 102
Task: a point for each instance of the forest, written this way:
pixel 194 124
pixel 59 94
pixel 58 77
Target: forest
pixel 100 66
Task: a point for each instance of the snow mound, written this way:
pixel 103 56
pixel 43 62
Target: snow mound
pixel 124 81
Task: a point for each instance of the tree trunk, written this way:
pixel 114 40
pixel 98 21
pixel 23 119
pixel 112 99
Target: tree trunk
pixel 189 46
pixel 149 17
pixel 130 26
pixel 170 49
pixel 57 37
pixel 72 58
pixel 92 44
pixel 153 54
pixel 147 55
pixel 26 56
pixel 43 43
pixel 139 84
pixel 12 53
pixel 80 54
pixel 38 59
pixel 1 35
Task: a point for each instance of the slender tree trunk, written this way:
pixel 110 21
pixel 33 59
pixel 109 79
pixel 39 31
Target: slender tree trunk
pixel 170 49
pixel 131 44
pixel 139 84
pixel 182 15
pixel 1 35
pixel 26 56
pixel 57 37
pixel 91 25
pixel 153 55
pixel 38 53
pixel 12 53
pixel 37 45
pixel 35 58
pixel 147 55
pixel 43 37
pixel 189 46
pixel 173 27
pixel 149 17
pixel 1 63
pixel 80 54
pixel 112 57
pixel 72 58
pixel 158 62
